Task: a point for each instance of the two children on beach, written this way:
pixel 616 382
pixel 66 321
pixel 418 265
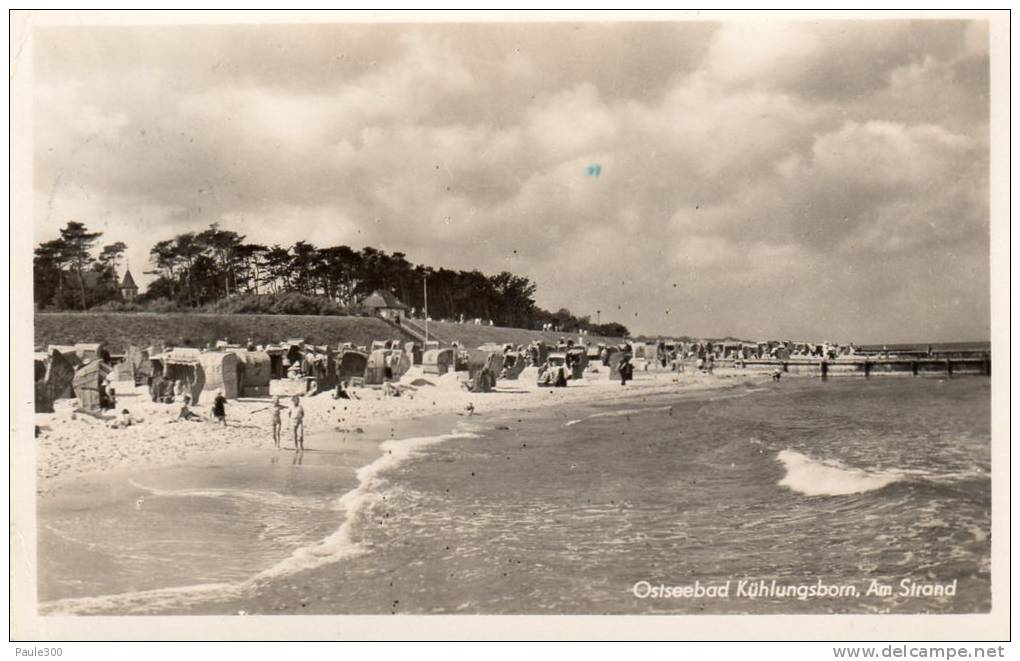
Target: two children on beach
pixel 297 422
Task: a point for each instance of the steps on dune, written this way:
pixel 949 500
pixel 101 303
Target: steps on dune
pixel 412 328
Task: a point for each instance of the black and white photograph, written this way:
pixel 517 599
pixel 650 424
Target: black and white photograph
pixel 522 314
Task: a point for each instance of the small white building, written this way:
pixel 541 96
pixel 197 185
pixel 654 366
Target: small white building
pixel 385 304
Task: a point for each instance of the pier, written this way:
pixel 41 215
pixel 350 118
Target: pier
pixel 868 366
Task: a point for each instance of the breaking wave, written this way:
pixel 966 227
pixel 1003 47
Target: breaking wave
pixel 813 477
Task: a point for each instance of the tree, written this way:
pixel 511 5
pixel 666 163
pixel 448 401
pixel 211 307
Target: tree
pixel 336 271
pixel 110 256
pixel 222 246
pixel 164 257
pixel 106 286
pixel 67 274
pixel 516 297
pixel 303 266
pixel 77 250
pixel 397 271
pixel 252 259
pixel 214 265
pixel 48 273
pixel 277 262
pixel 186 249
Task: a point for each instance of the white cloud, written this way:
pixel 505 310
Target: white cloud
pixel 750 52
pixel 777 174
pixel 571 122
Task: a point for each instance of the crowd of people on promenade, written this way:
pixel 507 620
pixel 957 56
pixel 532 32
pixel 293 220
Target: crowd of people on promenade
pixel 548 327
pixel 707 350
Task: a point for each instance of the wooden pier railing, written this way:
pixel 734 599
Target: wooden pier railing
pixel 868 367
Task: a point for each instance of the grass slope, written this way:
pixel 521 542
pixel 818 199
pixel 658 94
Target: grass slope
pixel 143 328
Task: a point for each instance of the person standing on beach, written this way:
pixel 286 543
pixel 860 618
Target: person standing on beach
pixel 626 371
pixel 297 423
pixel 219 408
pixel 277 422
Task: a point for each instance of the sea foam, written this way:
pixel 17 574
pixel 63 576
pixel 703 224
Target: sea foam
pixel 143 601
pixel 618 414
pixel 338 546
pixel 262 497
pixel 341 543
pixel 813 477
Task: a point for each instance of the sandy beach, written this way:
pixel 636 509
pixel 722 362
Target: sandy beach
pixel 411 506
pixel 282 506
pixel 73 444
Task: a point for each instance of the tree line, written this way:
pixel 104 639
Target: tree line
pixel 67 274
pixel 218 270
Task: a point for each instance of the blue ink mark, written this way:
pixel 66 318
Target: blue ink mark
pixel 594 170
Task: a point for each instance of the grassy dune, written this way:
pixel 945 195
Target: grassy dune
pixel 143 329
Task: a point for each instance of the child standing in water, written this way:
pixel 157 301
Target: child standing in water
pixel 297 423
pixel 277 422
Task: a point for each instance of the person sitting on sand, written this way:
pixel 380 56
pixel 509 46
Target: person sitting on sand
pixel 186 413
pixel 297 423
pixel 389 390
pixel 105 401
pixel 163 390
pixel 561 377
pixel 157 389
pixel 342 392
pixel 124 419
pixel 544 375
pixel 219 409
pixel 277 422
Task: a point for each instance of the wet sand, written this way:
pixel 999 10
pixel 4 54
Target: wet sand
pixel 182 511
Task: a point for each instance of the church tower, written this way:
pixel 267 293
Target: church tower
pixel 128 288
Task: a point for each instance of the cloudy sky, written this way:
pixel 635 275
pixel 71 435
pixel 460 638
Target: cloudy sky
pixel 817 180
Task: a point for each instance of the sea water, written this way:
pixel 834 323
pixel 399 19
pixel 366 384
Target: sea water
pixel 798 497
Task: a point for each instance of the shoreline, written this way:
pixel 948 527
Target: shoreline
pixel 350 462
pixel 74 445
pixel 360 447
pixel 355 468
